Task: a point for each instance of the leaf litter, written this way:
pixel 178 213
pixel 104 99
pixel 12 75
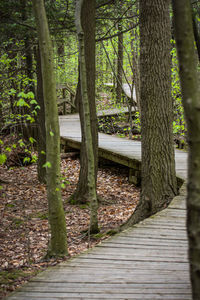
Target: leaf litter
pixel 24 230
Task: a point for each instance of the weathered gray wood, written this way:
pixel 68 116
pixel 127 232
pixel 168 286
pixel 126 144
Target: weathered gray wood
pixel 114 111
pixel 141 265
pixel 124 296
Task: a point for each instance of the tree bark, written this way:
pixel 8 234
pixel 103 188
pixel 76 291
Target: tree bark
pixel 191 103
pixel 41 130
pixel 119 64
pixel 159 184
pixel 196 31
pixel 88 13
pixel 58 241
pixel 92 196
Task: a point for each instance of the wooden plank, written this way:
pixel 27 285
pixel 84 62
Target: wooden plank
pixel 67 288
pixel 119 277
pixel 87 285
pixel 51 296
pixel 169 248
pixel 114 111
pixel 89 263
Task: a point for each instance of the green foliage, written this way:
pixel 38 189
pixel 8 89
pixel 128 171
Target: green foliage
pixel 17 102
pixel 179 128
pixel 138 121
pixel 3 158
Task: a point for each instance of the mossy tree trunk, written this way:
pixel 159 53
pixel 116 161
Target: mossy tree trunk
pixel 159 184
pixel 58 241
pixel 191 103
pixel 92 196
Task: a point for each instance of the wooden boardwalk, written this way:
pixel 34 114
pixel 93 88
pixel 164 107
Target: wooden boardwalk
pixel 146 262
pixel 122 151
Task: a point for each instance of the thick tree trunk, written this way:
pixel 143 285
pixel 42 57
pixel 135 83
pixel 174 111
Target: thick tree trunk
pixel 58 241
pixel 92 196
pixel 159 184
pixel 41 130
pixel 191 102
pixel 88 13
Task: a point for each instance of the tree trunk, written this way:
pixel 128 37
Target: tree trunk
pixel 41 130
pixel 88 13
pixel 119 64
pixel 196 31
pixel 135 58
pixel 191 103
pixel 58 242
pixel 92 196
pixel 159 184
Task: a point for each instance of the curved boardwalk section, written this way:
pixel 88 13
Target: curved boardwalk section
pixel 147 261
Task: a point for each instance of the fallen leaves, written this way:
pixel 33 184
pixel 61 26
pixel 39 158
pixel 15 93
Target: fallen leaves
pixel 24 230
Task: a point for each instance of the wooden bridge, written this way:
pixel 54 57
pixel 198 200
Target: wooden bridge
pixel 146 262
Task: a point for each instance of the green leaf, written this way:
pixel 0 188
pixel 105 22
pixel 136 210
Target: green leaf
pixel 47 165
pixel 8 149
pixel 3 158
pixel 21 94
pixel 33 101
pixel 21 102
pixel 51 133
pixel 32 140
pixel 12 92
pixel 34 158
pixel 26 159
pixel 43 152
pixel 30 95
pixel 21 143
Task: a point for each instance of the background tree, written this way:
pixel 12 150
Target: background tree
pixel 191 102
pixel 58 241
pixel 82 189
pixel 91 176
pixel 119 80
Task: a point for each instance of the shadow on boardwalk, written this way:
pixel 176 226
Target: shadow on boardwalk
pixel 147 261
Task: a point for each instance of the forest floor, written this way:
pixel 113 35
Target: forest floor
pixel 24 231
